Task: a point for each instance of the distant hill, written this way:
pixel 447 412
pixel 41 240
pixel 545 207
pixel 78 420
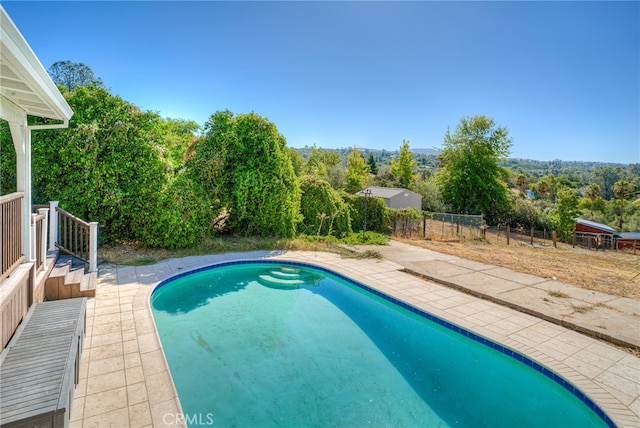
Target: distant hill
pixel 426 152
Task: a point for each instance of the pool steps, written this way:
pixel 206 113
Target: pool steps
pixel 283 277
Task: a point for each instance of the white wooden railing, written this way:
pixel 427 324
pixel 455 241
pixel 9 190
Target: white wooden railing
pixel 10 233
pixel 64 230
pixel 74 236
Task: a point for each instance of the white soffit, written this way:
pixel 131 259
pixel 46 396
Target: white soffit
pixel 24 82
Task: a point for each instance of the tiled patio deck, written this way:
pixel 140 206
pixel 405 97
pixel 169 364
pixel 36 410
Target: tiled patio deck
pixel 125 380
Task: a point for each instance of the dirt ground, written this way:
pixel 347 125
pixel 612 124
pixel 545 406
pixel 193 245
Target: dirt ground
pixel 612 272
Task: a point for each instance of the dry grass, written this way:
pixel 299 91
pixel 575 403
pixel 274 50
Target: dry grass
pixel 612 272
pixel 131 254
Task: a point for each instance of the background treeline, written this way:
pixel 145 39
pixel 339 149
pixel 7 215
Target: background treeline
pixel 170 183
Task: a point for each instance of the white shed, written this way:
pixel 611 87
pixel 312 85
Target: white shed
pixel 394 197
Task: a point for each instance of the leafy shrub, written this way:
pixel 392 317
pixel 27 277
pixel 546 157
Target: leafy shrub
pixel 563 216
pixel 368 238
pixel 181 218
pixel 526 215
pixel 376 211
pixel 323 210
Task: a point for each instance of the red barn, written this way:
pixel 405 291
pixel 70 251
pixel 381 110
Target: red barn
pixel 611 237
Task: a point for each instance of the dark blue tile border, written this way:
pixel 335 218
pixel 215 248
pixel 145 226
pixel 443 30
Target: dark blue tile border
pixel 469 334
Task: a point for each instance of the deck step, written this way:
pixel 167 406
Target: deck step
pixel 69 280
pixel 59 270
pixel 88 284
pixel 74 277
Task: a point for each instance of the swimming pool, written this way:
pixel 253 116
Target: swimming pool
pixel 275 343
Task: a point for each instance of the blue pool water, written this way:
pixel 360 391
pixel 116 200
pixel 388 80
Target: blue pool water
pixel 276 344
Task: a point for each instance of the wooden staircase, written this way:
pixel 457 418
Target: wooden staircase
pixel 69 279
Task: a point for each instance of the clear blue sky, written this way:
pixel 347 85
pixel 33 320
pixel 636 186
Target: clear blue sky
pixel 563 77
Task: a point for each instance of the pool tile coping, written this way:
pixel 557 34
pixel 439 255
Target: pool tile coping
pixel 125 380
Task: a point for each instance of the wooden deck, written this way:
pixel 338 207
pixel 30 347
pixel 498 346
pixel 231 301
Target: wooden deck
pixel 40 366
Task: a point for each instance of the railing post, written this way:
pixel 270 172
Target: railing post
pixel 45 224
pixel 32 243
pixel 93 246
pixel 53 227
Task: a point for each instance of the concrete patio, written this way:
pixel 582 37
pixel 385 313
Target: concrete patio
pixel 125 380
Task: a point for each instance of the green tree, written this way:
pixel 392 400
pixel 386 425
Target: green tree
pixel 563 216
pixel 357 171
pixel 470 179
pixel 622 189
pixel 73 75
pixel 606 177
pixel 244 163
pixel 543 186
pixel 521 181
pixel 592 192
pixel 402 169
pixel 373 166
pixel 326 165
pixel 430 191
pixel 315 163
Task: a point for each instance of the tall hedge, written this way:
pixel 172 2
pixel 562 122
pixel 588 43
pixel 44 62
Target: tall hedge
pixel 181 218
pixel 244 164
pixel 105 167
pixel 323 210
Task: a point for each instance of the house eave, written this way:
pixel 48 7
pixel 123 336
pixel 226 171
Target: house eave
pixel 23 80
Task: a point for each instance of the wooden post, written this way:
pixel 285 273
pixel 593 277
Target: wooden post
pixel 554 238
pixel 508 233
pixel 424 226
pixel 532 236
pixel 395 225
